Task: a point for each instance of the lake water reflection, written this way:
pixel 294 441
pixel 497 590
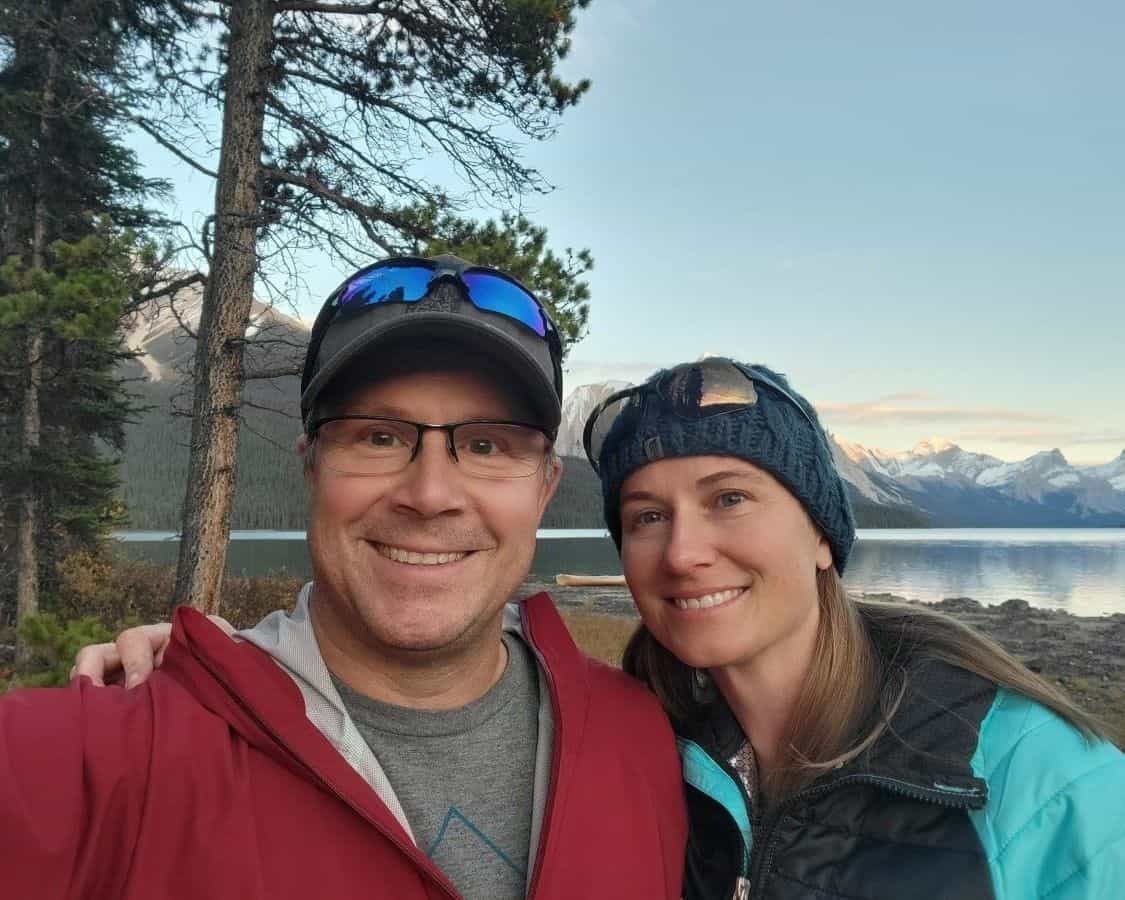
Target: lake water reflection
pixel 1081 570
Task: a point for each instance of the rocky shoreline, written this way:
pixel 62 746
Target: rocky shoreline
pixel 1085 655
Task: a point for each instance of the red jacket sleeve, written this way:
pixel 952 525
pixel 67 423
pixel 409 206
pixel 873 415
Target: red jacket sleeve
pixel 665 780
pixel 669 786
pixel 640 726
pixel 72 780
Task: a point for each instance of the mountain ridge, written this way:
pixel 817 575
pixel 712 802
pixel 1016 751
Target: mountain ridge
pixel 935 483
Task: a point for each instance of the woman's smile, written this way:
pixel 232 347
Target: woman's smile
pixel 707 601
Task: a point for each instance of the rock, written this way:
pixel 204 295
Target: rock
pixel 884 598
pixel 958 604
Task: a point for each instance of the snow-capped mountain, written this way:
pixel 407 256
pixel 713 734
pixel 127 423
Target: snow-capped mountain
pixel 1113 472
pixel 158 332
pixel 866 472
pixel 941 459
pixel 956 487
pixel 936 482
pixel 578 405
pixel 942 483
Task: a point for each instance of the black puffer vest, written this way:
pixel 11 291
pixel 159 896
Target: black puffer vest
pixel 891 824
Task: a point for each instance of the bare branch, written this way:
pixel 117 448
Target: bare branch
pixel 170 147
pixel 266 374
pixel 358 9
pixel 366 212
pixel 172 287
pixel 261 435
pixel 179 319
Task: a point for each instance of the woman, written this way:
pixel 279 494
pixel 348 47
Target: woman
pixel 830 747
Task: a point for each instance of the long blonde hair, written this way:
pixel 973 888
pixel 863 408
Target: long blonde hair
pixel 859 674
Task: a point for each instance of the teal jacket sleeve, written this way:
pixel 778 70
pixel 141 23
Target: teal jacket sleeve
pixel 1054 825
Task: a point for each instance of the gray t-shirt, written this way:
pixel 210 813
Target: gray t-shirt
pixel 465 776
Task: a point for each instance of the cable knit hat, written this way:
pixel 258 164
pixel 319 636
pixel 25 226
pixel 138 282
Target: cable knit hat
pixel 772 433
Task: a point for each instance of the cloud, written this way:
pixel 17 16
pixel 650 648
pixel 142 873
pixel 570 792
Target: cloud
pixel 1043 437
pixel 913 407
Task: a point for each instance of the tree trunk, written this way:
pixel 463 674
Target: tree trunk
pixel 227 300
pixel 27 525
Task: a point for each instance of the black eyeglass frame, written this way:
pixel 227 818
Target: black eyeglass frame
pixel 642 391
pixel 449 428
pixel 442 271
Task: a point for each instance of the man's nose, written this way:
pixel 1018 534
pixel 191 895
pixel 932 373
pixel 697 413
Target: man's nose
pixel 432 484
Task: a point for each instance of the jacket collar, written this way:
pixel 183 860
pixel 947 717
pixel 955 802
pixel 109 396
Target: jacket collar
pixel 926 752
pixel 275 669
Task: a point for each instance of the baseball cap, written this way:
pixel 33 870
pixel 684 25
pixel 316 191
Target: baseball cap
pixel 444 299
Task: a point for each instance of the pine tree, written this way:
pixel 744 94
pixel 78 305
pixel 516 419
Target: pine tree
pixel 326 108
pixel 520 248
pixel 66 184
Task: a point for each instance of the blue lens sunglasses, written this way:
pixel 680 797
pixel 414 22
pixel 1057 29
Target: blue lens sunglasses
pixel 408 279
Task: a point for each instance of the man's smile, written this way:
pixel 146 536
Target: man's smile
pixel 418 558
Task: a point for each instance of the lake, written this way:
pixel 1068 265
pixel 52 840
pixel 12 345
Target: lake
pixel 1080 570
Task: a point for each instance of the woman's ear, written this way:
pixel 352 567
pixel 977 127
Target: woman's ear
pixel 823 553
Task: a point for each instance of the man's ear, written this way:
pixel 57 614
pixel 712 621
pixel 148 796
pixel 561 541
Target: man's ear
pixel 551 479
pixel 303 447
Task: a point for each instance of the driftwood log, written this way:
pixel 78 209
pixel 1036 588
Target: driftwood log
pixel 590 580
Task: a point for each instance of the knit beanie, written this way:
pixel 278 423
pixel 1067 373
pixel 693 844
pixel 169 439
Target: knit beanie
pixel 772 434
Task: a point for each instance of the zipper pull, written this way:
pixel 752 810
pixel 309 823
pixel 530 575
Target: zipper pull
pixel 741 889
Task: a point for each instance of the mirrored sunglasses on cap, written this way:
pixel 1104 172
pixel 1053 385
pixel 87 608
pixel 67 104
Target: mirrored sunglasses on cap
pixel 691 391
pixel 408 280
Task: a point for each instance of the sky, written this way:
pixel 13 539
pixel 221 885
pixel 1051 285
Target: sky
pixel 915 211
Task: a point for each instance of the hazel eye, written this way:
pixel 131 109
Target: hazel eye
pixel 482 447
pixel 646 517
pixel 380 439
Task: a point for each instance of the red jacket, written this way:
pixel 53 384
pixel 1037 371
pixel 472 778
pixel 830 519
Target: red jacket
pixel 209 782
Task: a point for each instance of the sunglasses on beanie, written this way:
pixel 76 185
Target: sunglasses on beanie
pixel 691 391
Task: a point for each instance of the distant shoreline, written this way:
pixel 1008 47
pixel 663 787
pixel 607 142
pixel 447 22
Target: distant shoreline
pixel 1052 534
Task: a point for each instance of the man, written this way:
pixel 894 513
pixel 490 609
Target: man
pixel 405 732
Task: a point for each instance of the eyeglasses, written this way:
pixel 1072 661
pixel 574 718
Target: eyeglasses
pixel 692 391
pixel 375 445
